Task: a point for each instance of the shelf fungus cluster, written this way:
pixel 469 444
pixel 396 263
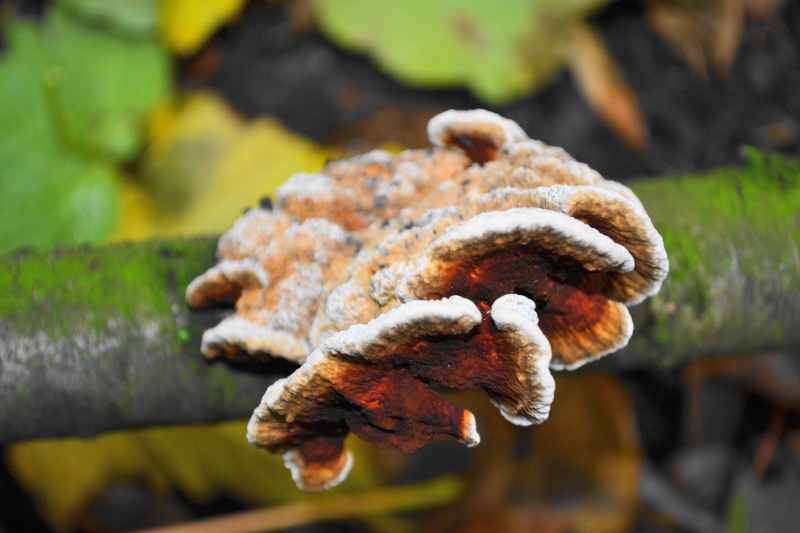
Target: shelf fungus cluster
pixel 484 261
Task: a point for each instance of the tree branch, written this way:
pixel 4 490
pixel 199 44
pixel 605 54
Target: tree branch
pixel 732 238
pixel 100 338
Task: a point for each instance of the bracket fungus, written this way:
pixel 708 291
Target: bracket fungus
pixel 373 380
pixel 484 261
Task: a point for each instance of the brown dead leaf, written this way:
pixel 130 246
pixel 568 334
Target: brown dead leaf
pixel 579 471
pixel 707 32
pixel 729 28
pixel 760 9
pixel 769 443
pixel 683 31
pixel 775 376
pixel 604 86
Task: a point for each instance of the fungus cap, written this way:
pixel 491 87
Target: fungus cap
pixel 478 133
pixel 555 260
pixel 372 380
pixel 226 281
pixel 290 289
pixel 611 213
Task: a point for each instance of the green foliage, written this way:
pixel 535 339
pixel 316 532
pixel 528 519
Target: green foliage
pixel 737 515
pixel 137 18
pixel 75 97
pixel 499 50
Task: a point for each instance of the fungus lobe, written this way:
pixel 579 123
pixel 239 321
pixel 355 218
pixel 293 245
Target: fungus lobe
pixel 373 380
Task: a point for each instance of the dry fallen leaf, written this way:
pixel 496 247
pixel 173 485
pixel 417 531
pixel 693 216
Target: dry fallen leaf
pixel 578 472
pixel 706 33
pixel 759 9
pixel 603 85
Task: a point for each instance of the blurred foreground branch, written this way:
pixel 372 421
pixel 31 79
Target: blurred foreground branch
pixel 100 338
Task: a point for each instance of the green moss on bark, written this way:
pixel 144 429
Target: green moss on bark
pixel 102 338
pixel 732 238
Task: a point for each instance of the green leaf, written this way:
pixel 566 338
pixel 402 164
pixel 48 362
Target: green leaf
pixel 499 50
pixel 135 18
pixel 737 514
pixel 100 86
pixel 764 505
pixel 73 104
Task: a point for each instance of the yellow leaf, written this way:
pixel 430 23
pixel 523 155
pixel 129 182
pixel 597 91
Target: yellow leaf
pixel 64 476
pixel 186 24
pixel 137 212
pixel 205 165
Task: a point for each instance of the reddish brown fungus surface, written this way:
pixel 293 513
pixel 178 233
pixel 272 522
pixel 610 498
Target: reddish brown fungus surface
pixel 390 408
pixel 480 149
pixel 569 299
pixel 373 379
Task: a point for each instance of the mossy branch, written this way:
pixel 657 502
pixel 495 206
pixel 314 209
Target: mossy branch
pixel 734 285
pixel 99 338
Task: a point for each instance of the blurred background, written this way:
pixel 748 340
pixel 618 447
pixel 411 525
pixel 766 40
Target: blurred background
pixel 130 119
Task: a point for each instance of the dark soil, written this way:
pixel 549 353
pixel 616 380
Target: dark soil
pixel 265 66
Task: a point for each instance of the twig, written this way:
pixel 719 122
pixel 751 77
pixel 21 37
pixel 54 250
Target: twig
pixel 416 497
